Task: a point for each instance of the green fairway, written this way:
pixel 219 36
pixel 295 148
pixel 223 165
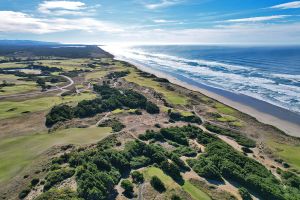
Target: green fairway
pixel 289 153
pixel 167 180
pixel 196 193
pixel 170 96
pixel 66 65
pixel 18 152
pixel 10 109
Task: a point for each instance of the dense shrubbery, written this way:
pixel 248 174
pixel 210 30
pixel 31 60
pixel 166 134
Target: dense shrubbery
pixel 117 74
pixel 137 177
pixel 245 194
pixel 59 113
pixel 157 184
pixel 55 194
pixel 222 159
pixel 111 100
pixel 240 139
pixel 57 176
pixel 176 116
pixel 114 124
pixel 128 188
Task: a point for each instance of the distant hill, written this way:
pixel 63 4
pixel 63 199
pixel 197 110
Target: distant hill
pixel 26 43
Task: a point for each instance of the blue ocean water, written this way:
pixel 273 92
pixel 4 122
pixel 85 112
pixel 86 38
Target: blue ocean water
pixel 270 74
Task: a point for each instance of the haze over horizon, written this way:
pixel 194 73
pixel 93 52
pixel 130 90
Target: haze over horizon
pixel 272 22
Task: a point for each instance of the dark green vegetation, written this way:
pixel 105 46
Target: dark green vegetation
pixel 137 177
pixel 245 194
pixel 110 100
pixel 128 188
pixel 222 161
pixel 115 124
pixel 240 139
pixel 157 184
pixel 47 51
pixel 177 116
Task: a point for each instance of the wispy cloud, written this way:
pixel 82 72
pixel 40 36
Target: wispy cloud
pixel 162 4
pixel 259 19
pixel 163 21
pixel 65 8
pixel 19 22
pixel 290 5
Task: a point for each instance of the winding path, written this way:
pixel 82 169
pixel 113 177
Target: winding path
pixel 71 82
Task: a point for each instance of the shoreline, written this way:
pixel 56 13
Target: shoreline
pixel 264 112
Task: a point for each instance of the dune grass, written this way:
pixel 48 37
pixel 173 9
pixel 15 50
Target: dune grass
pixel 195 192
pixel 289 153
pixel 171 96
pixel 224 109
pixel 18 152
pixel 10 109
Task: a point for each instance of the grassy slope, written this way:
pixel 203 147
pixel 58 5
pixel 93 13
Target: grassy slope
pixel 172 97
pixel 195 193
pixel 16 153
pixel 38 104
pixel 289 153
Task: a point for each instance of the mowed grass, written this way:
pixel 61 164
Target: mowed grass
pixel 66 65
pixel 289 153
pixel 12 65
pixel 167 180
pixel 19 87
pixel 194 191
pixel 18 152
pixel 171 96
pixel 10 109
pixel 95 75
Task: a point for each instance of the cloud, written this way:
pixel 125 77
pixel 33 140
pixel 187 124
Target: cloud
pixel 162 4
pixel 163 21
pixel 258 19
pixel 290 5
pixel 59 8
pixel 18 22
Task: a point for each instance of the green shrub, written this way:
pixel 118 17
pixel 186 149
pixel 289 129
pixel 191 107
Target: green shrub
pixel 137 177
pixel 54 177
pixel 24 193
pixel 128 187
pixel 245 194
pixel 55 194
pixel 157 184
pixel 152 108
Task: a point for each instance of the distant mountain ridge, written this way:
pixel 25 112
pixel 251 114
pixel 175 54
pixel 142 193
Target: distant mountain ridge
pixel 27 43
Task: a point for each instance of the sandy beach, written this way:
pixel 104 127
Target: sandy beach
pixel 264 112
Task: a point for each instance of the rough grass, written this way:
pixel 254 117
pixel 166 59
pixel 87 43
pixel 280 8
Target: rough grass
pixel 194 191
pixel 288 152
pixel 18 88
pixel 18 152
pixel 95 75
pixel 170 184
pixel 171 96
pixel 10 109
pixel 224 109
pixel 12 65
pixel 227 118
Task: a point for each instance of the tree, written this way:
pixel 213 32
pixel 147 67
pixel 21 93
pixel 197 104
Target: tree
pixel 137 177
pixel 245 194
pixel 157 184
pixel 152 108
pixel 128 187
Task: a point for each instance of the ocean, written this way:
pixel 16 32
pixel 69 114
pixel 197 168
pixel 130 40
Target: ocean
pixel 270 74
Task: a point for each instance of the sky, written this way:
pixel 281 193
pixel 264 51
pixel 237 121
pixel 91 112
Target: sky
pixel 265 22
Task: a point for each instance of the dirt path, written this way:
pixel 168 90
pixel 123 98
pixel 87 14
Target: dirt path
pixel 105 117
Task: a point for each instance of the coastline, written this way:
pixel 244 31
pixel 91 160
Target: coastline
pixel 264 112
